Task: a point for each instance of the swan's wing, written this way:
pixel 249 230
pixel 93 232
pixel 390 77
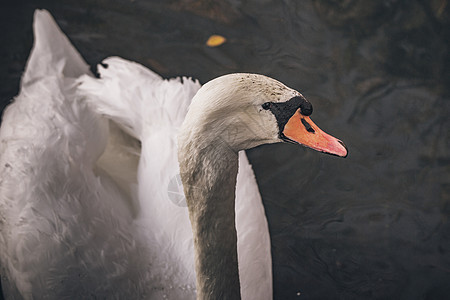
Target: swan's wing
pixel 152 109
pixel 136 98
pixel 52 52
pixel 65 232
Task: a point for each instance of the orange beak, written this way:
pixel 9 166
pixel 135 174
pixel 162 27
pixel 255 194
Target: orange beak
pixel 301 129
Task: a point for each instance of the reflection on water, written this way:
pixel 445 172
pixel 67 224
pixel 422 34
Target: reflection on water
pixel 372 226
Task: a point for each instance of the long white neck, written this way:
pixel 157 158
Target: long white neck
pixel 224 117
pixel 208 171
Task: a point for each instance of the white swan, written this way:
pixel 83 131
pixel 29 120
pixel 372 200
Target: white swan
pixel 89 211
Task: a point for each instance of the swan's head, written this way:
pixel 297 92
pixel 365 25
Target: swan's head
pixel 243 111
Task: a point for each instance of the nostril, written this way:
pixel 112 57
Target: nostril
pixel 307 126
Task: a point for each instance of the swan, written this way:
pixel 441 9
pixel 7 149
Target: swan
pixel 91 200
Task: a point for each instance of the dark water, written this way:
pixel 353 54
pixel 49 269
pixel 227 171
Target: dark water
pixel 372 226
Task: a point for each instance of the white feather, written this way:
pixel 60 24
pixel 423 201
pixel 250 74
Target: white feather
pixel 87 210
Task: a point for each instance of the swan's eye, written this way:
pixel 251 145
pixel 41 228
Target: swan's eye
pixel 266 105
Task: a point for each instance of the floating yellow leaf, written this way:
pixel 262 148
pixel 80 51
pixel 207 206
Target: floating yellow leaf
pixel 215 40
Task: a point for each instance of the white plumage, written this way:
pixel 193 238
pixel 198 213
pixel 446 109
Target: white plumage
pixel 87 166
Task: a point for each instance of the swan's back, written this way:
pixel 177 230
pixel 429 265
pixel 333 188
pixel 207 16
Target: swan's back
pixel 90 204
pixel 58 238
